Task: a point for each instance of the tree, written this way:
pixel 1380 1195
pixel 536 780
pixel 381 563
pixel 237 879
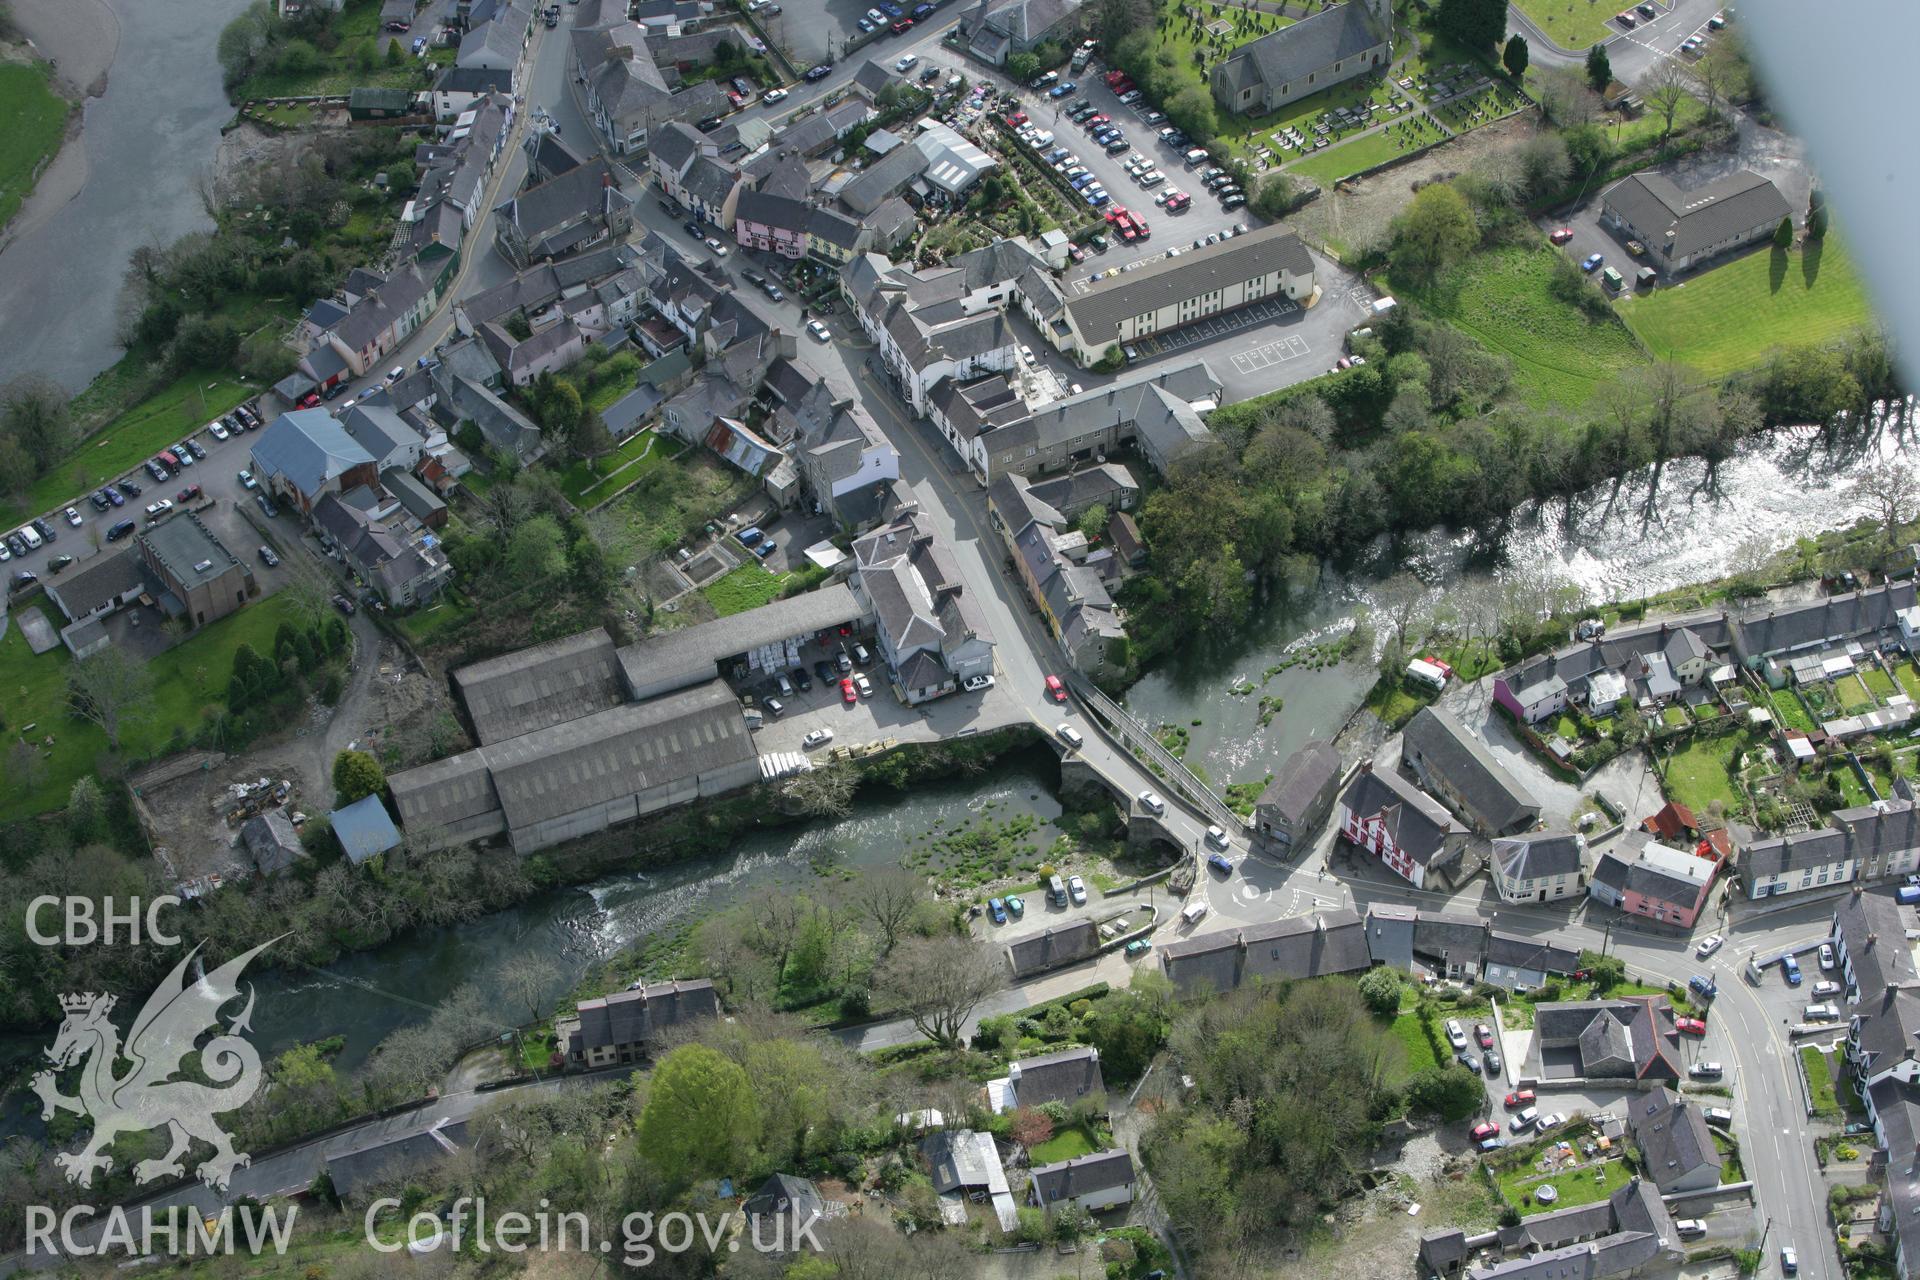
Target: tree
pixel 1477 24
pixel 1599 69
pixel 1565 97
pixel 244 39
pixel 1449 1092
pixel 1023 67
pixel 1817 215
pixel 1783 234
pixel 1664 89
pixel 591 438
pixel 528 979
pixel 887 899
pixel 394 56
pixel 1890 489
pixel 1092 524
pixel 112 689
pixel 1606 972
pixel 1432 233
pixel 701 1119
pixel 1380 987
pixel 356 775
pixel 536 552
pixel 824 793
pixel 33 414
pixel 1276 197
pixel 1029 1127
pixel 938 983
pixel 1514 57
pixel 86 810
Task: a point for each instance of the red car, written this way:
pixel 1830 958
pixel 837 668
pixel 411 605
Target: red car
pixel 310 399
pixel 1094 122
pixel 847 693
pixel 188 494
pixel 1115 77
pixel 1483 1035
pixel 1176 203
pixel 1056 690
pixel 900 28
pixel 1692 1026
pixel 1519 1098
pixel 1561 236
pixel 1017 119
pixel 1484 1130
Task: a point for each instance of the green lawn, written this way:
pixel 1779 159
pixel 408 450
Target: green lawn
pixel 1698 774
pixel 1068 1144
pixel 1649 126
pixel 1909 677
pixel 186 679
pixel 588 483
pixel 1879 682
pixel 1329 166
pixel 163 419
pixel 1731 317
pixel 747 587
pixel 1419 1052
pixel 423 626
pixel 1820 1077
pixel 1790 712
pixel 1571 24
pixel 1853 694
pixel 1576 1186
pixel 1674 716
pixel 1500 297
pixel 36 118
pixel 357 28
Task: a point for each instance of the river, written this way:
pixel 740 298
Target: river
pixel 1618 546
pixel 156 125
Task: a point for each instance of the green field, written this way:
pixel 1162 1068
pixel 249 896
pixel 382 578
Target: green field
pixel 747 587
pixel 1501 298
pixel 1820 1078
pixel 1583 1185
pixel 1731 317
pixel 1698 775
pixel 163 419
pixel 357 61
pixel 1413 1039
pixel 587 483
pixel 187 678
pixel 1067 1144
pixel 1335 163
pixel 1571 24
pixel 36 116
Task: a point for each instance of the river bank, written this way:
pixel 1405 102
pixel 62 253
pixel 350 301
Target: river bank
pixel 77 42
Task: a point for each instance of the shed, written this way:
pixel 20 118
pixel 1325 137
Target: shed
pixel 364 828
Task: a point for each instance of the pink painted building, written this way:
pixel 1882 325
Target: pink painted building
pixel 1411 833
pixel 1645 878
pixel 772 224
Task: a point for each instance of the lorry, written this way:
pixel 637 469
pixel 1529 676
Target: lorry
pixel 1423 672
pixel 1083 55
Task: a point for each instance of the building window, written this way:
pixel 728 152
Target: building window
pixel 1310 76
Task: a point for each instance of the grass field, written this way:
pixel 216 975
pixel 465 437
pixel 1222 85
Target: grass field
pixel 1853 694
pixel 338 70
pixel 1880 682
pixel 1419 1053
pixel 587 483
pixel 163 419
pixel 1699 774
pixel 747 587
pixel 1501 298
pixel 1067 1144
pixel 1576 1186
pixel 36 116
pixel 1348 158
pixel 1820 1077
pixel 1571 24
pixel 187 678
pixel 1731 317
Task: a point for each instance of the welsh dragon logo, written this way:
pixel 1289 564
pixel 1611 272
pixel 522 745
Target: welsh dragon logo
pixel 146 1097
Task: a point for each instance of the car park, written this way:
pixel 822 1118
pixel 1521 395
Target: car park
pixel 1152 803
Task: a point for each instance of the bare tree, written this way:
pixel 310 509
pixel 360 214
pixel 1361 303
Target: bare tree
pixel 1891 489
pixel 887 900
pixel 824 793
pixel 1400 602
pixel 527 978
pixel 1565 97
pixel 504 506
pixel 777 916
pixel 112 688
pixel 938 983
pixel 1664 89
pixel 1721 73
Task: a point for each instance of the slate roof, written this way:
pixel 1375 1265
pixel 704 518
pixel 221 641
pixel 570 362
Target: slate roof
pixel 1083 1176
pixel 1690 221
pixel 636 1017
pixel 379 430
pixel 1157 403
pixel 1465 765
pixel 475 80
pixel 784 1194
pixel 97 581
pixel 1672 1135
pixel 1897 1108
pixel 1419 824
pixel 308 447
pixel 1065 1076
pixel 544 685
pixel 1639 1029
pixel 1294 947
pixel 1540 855
pixel 692 653
pixel 1309 45
pixel 1887 960
pixel 1834 618
pixel 394 1155
pixel 1300 778
pixel 271 841
pixel 1515 951
pixel 1784 855
pixel 1055 945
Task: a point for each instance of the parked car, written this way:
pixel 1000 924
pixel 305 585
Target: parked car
pixel 997 910
pixel 1484 1130
pixel 22 580
pixel 1466 1059
pixel 820 72
pixel 1561 235
pixel 189 494
pixel 1691 1026
pixel 158 509
pixel 73 517
pixel 1456 1034
pixel 1822 1013
pixel 1826 955
pixel 1705 1071
pixel 1821 990
pixel 1493 1062
pixel 113 496
pixel 266 506
pixel 1791 967
pixel 1520 1098
pixel 848 693
pixel 1152 803
pixel 864 685
pixel 1552 1121
pixel 1077 891
pixel 1138 947
pixel 1689 1227
pixel 1717 1116
pixel 1708 945
pixel 247 481
pixel 819 331
pixel 1484 1034
pixel 974 684
pixel 1592 261
pixel 120 530
pixel 268 558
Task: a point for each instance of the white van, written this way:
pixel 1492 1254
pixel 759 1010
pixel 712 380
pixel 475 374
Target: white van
pixel 1822 1013
pixel 1423 672
pixel 30 535
pixel 1193 913
pixel 1197 157
pixel 1689 1227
